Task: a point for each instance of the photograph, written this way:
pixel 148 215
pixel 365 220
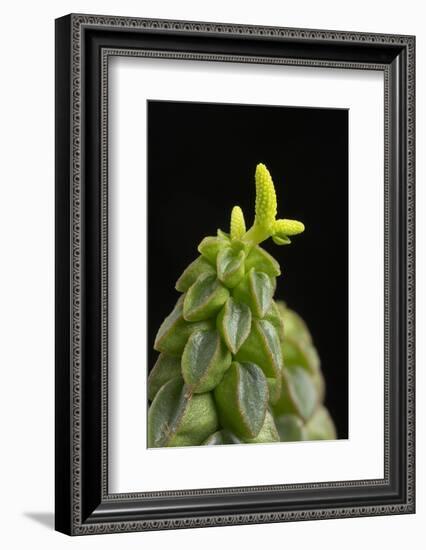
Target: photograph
pixel 247 273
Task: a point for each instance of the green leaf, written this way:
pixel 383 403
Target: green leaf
pixel 204 298
pixel 230 266
pixel 261 260
pixel 242 398
pixel 222 437
pixel 319 383
pixel 262 290
pixel 281 239
pixel 290 427
pixel 273 315
pixel 204 361
pixel 192 272
pixel 223 236
pixel 177 419
pixel 274 385
pixel 262 347
pixel 175 331
pixel 233 323
pixel 295 326
pixel 209 248
pixel 298 395
pixel 268 432
pixel 256 290
pixel 321 426
pixel 165 368
pixel 297 353
pixel 297 347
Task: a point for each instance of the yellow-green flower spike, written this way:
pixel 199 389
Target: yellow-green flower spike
pixel 266 200
pixel 238 224
pixel 288 227
pixel 265 223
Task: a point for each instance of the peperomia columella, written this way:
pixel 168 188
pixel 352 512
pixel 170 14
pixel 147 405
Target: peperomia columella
pixel 235 366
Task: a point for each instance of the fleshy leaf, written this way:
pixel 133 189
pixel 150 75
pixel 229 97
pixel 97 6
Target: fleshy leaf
pixel 262 261
pixel 268 432
pixel 222 437
pixel 319 383
pixel 298 395
pixel 175 331
pixel 274 386
pixel 273 315
pixel 280 240
pixel 223 236
pixel 297 353
pixel 297 347
pixel 209 248
pixel 262 290
pixel 238 224
pixel 262 346
pixel 233 323
pixel 295 326
pixel 230 266
pixel 204 298
pixel 204 361
pixel 165 368
pixel 321 426
pixel 290 427
pixel 256 290
pixel 176 418
pixel 192 272
pixel 242 398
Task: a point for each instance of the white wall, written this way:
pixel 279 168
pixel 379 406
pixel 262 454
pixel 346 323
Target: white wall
pixel 26 289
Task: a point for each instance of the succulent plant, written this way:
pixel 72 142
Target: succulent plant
pixel 235 366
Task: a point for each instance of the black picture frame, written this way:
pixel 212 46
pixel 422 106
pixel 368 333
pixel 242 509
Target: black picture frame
pixel 83 46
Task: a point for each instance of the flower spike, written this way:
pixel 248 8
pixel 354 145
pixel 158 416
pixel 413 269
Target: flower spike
pixel 266 199
pixel 238 224
pixel 265 223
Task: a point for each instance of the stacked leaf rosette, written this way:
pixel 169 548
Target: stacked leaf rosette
pixel 235 366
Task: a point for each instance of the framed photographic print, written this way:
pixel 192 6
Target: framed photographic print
pixel 234 274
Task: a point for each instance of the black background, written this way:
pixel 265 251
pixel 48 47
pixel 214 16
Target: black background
pixel 201 162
